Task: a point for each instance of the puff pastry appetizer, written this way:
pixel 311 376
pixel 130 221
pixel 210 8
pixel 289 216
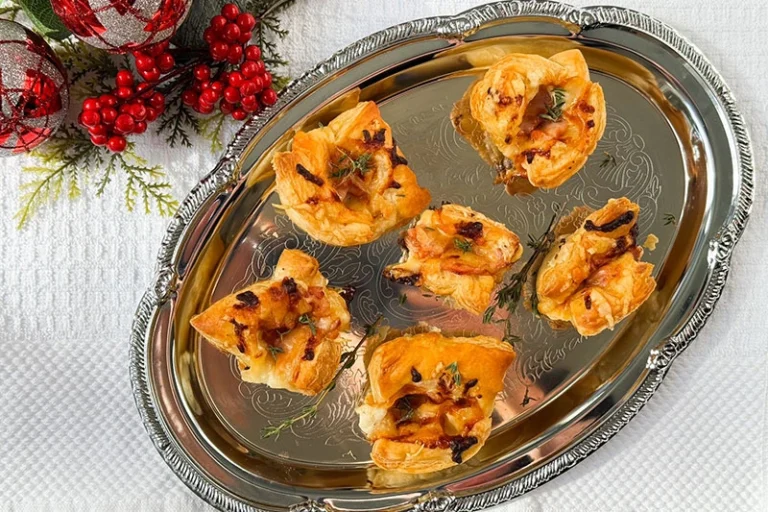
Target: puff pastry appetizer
pixel 456 252
pixel 285 331
pixel 348 183
pixel 430 399
pixel 593 277
pixel 534 117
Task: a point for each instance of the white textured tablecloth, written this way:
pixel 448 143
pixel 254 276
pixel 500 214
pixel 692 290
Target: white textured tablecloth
pixel 70 437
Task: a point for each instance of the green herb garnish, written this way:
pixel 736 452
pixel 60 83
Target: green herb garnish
pixel 527 398
pixel 309 412
pixel 509 295
pixel 348 165
pixel 608 159
pixel 555 111
pixel 274 350
pixel 462 245
pixel 307 320
pixel 670 220
pixel 454 369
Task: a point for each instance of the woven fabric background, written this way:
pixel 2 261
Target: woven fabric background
pixel 70 436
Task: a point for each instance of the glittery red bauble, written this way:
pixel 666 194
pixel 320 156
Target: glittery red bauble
pixel 121 26
pixel 34 95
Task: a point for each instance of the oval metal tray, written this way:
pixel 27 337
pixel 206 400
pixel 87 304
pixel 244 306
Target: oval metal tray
pixel 675 143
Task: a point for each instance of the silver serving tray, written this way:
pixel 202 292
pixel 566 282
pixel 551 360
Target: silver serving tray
pixel 680 148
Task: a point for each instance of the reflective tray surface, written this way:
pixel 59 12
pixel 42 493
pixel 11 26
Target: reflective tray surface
pixel 674 143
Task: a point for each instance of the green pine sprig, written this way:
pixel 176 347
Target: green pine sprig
pixel 69 162
pixel 211 128
pixel 9 10
pixel 91 71
pixel 177 121
pixel 268 32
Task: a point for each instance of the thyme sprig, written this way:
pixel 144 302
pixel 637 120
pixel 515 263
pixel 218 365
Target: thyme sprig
pixel 462 245
pixel 307 320
pixel 360 164
pixel 608 160
pixel 509 295
pixel 555 111
pixel 274 351
pixel 310 411
pixel 454 369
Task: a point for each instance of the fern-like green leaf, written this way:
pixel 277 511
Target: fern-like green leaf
pixel 69 162
pixel 267 32
pixel 143 184
pixel 177 121
pixel 91 71
pixel 210 129
pixel 9 10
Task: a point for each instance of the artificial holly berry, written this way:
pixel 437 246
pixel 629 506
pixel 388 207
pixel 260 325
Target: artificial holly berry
pixel 165 62
pixel 246 21
pixel 202 72
pixel 108 115
pixel 124 93
pixel 268 97
pixel 218 23
pixel 151 75
pixel 252 52
pixel 124 78
pixel 138 112
pixel 230 11
pixel 189 97
pixel 152 114
pixel 91 104
pixel 157 101
pixel 235 54
pixel 116 143
pixel 125 111
pixel 231 78
pixel 99 140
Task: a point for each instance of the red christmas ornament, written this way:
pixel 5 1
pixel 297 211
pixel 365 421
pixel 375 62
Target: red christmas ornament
pixel 34 95
pixel 121 26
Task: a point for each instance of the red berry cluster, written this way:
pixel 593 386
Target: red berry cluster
pixel 126 110
pixel 239 91
pixel 154 61
pixel 232 76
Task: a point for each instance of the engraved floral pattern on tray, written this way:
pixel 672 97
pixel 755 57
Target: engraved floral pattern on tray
pixel 453 173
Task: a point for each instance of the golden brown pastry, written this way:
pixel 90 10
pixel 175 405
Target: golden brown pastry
pixel 348 183
pixel 534 117
pixel 456 252
pixel 430 399
pixel 285 331
pixel 593 277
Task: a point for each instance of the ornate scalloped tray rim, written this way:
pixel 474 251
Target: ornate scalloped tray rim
pixel 448 27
